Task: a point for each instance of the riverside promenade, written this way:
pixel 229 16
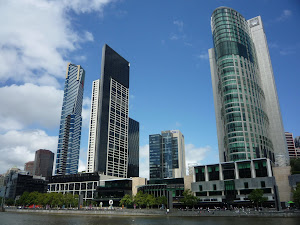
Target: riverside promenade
pixel 158 212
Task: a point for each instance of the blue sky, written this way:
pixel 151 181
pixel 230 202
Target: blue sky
pixel 166 43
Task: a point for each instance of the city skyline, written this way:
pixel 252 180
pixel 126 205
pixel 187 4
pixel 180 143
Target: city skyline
pixel 168 55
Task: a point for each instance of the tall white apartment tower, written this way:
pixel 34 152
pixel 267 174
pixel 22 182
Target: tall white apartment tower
pixel 93 126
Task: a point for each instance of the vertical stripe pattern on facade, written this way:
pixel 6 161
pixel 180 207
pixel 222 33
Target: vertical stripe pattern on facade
pixel 67 157
pixel 93 125
pixel 242 119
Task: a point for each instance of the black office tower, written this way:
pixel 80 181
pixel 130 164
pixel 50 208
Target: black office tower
pixel 113 122
pixel 133 148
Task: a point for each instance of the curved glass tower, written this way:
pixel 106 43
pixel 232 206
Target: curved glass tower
pixel 243 123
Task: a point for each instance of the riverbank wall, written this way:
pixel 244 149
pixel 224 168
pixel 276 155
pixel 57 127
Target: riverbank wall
pixel 156 212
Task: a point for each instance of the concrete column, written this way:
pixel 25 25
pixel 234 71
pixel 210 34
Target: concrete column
pixel 206 174
pixel 269 168
pixel 194 175
pixel 236 171
pixel 221 172
pixel 253 174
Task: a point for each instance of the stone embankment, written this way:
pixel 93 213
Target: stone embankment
pixel 156 212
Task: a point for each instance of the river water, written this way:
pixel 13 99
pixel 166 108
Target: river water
pixel 11 218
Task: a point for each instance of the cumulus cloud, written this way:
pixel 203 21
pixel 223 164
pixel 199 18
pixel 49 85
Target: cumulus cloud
pixel 37 36
pixel 29 104
pixel 80 6
pixel 82 165
pixel 285 15
pixel 144 161
pixel 86 111
pixel 19 147
pixel 195 154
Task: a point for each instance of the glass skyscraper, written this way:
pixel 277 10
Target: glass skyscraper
pixel 112 136
pixel 67 157
pixel 248 117
pixel 167 155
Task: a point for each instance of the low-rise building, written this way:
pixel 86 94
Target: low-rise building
pixel 232 182
pixel 95 186
pixel 115 189
pixel 77 184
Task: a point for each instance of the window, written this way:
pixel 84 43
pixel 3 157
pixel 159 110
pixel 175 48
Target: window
pixel 263 184
pixel 200 188
pixel 215 187
pixel 246 185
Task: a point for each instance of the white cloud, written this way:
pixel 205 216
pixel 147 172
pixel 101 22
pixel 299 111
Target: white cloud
pixel 82 165
pixel 86 111
pixel 80 6
pixel 179 24
pixel 177 124
pixel 18 147
pixel 203 55
pixel 37 37
pixel 195 154
pixel 285 15
pixel 29 104
pixel 144 161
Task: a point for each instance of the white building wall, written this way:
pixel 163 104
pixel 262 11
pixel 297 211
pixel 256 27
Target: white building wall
pixel 93 126
pixel 269 87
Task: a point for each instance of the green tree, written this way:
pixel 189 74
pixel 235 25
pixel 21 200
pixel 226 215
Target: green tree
pixel 161 200
pixel 68 200
pixel 257 196
pixel 126 200
pixel 296 195
pixel 24 199
pixel 9 201
pixel 295 166
pixel 189 199
pixel 150 200
pixel 139 199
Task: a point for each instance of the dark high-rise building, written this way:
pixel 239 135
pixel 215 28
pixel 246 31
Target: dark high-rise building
pixel 67 157
pixel 43 163
pixel 29 167
pixel 249 123
pixel 167 155
pixel 111 155
pixel 133 148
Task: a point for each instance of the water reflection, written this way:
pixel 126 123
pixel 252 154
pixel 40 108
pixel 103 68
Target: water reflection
pixel 9 218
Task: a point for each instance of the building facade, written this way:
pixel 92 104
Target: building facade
pixel 67 157
pixel 93 126
pixel 167 155
pixel 29 167
pixel 133 148
pixel 297 145
pixel 83 184
pixel 111 156
pixel 43 163
pixel 249 123
pixel 232 182
pixel 19 182
pixel 290 145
